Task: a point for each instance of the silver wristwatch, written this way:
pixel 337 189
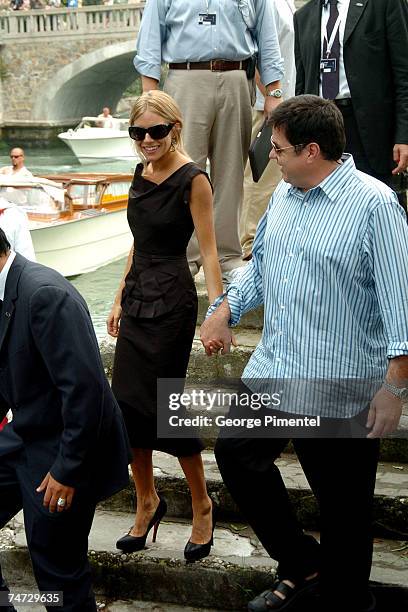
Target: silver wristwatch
pixel 400 392
pixel 274 93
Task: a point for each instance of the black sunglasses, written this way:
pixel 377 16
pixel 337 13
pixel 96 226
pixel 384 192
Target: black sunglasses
pixel 155 131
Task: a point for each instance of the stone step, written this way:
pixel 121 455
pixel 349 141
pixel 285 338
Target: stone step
pixel 237 569
pixel 150 606
pixel 391 493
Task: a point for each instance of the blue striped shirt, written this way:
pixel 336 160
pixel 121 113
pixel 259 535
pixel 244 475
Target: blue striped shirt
pixel 170 32
pixel 330 266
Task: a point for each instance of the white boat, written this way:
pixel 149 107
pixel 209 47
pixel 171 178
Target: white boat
pixel 77 221
pixel 90 141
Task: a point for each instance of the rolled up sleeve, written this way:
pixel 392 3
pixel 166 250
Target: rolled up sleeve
pixel 150 39
pixel 270 61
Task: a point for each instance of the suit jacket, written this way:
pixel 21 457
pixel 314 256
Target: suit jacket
pixel 376 65
pixel 65 417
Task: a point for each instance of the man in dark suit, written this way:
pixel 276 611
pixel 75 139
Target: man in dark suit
pixel 353 51
pixel 66 447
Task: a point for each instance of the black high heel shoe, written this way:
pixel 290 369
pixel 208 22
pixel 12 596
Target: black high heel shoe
pixel 195 552
pixel 129 543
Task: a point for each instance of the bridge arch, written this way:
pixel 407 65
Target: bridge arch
pixel 82 87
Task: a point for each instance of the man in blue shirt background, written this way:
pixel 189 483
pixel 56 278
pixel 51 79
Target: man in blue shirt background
pixel 329 265
pixel 211 47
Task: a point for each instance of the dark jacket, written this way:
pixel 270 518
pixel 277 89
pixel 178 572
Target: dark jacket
pixel 51 376
pixel 376 65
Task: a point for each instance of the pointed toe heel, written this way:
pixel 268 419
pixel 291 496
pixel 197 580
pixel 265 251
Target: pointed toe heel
pixel 129 543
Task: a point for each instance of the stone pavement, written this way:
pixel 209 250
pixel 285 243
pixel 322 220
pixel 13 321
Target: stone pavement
pixel 237 568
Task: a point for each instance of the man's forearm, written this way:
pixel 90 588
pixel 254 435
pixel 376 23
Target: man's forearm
pixel 223 311
pixel 148 83
pixel 397 373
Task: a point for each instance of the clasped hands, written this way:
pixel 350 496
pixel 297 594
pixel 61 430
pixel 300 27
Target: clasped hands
pixel 216 335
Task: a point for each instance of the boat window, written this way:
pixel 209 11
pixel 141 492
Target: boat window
pixel 85 195
pixel 116 191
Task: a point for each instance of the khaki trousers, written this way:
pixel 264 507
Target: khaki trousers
pixel 256 195
pixel 216 111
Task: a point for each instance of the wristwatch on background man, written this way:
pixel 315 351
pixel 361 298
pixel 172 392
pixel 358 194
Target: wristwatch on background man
pixel 274 93
pixel 400 392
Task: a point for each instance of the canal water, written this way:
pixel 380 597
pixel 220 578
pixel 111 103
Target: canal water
pixel 99 287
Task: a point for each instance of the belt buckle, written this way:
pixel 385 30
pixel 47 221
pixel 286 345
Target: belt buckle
pixel 213 65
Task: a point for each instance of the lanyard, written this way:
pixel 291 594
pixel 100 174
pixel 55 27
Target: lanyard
pixel 207 3
pixel 332 37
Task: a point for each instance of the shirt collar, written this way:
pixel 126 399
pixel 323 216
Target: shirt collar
pixel 325 3
pixel 4 273
pixel 330 185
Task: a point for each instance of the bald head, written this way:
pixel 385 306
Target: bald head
pixel 17 158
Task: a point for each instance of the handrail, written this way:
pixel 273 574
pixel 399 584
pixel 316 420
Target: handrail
pixel 70 21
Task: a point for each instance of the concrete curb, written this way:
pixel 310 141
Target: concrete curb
pixel 212 583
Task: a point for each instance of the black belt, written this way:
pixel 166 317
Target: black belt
pixel 215 65
pixel 343 102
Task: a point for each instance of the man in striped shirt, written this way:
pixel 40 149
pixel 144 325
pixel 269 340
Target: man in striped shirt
pixel 330 267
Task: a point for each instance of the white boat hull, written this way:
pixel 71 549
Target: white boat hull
pixel 93 144
pixel 82 245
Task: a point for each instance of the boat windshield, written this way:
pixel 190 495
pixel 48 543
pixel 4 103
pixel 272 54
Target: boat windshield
pixel 98 122
pixel 39 201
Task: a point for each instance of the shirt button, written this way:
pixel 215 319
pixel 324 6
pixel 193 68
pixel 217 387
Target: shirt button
pixel 298 229
pixel 285 280
pixel 278 359
pixel 282 307
pixel 290 254
pixel 280 333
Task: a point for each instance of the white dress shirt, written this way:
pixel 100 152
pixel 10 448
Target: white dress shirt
pixel 4 273
pixel 14 223
pixel 343 6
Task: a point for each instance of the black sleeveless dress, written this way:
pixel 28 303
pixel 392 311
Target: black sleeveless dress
pixel 159 306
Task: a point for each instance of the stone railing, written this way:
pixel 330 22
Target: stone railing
pixel 23 25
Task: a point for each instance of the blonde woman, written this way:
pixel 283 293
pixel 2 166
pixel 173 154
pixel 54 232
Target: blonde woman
pixel 155 309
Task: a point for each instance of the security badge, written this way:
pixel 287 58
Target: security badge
pixel 208 19
pixel 328 64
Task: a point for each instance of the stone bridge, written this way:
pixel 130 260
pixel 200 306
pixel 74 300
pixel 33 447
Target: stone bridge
pixel 60 64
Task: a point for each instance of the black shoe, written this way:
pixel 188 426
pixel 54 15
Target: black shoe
pixel 268 601
pixel 129 543
pixel 195 552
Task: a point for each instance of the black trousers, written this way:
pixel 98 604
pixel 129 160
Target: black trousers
pixel 58 542
pixel 341 473
pixel 354 146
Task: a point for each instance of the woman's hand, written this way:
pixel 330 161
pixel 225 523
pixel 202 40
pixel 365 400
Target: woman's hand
pixel 112 322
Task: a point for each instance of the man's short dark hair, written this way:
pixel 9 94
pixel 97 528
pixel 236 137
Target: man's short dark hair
pixel 306 119
pixel 4 243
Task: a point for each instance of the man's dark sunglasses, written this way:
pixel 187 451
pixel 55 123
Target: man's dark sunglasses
pixel 155 131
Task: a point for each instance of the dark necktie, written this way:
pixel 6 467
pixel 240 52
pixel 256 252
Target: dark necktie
pixel 330 80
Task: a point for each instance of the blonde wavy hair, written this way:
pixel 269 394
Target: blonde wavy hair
pixel 162 104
